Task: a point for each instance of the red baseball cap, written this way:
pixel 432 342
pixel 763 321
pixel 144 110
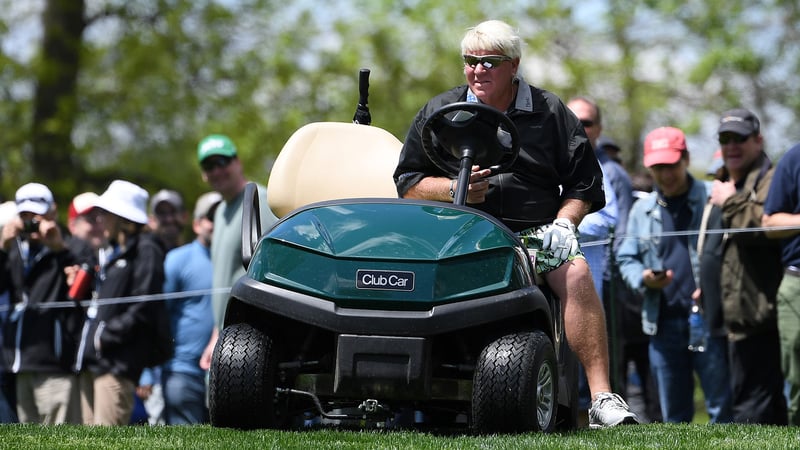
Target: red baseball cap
pixel 664 145
pixel 81 204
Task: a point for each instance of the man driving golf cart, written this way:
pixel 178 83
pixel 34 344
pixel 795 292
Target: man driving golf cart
pixel 554 182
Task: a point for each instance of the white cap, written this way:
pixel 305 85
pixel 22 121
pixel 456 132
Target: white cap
pixel 125 199
pixel 205 202
pixel 7 212
pixel 35 198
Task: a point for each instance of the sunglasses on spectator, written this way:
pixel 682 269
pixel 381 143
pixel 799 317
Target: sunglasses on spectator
pixel 212 163
pixel 488 61
pixel 587 123
pixel 732 138
pixel 92 216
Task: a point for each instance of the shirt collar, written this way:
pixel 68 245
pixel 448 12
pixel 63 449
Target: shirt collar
pixel 524 97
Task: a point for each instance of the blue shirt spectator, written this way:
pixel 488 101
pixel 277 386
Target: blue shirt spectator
pixel 620 183
pixel 188 269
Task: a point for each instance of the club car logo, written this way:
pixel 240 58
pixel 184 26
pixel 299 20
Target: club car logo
pixel 385 280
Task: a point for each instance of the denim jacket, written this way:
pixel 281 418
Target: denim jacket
pixel 638 250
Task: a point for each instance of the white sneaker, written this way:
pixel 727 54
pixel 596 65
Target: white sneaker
pixel 609 410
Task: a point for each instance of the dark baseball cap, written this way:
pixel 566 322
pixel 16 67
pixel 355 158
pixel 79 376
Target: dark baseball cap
pixel 740 121
pixel 168 196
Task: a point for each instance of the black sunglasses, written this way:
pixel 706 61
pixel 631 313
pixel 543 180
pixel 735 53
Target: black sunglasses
pixel 587 123
pixel 488 61
pixel 210 164
pixel 732 138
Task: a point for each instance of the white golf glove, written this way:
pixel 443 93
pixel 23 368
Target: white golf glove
pixel 559 238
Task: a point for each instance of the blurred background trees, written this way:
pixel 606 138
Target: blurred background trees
pixel 94 90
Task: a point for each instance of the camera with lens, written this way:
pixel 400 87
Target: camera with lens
pixel 30 226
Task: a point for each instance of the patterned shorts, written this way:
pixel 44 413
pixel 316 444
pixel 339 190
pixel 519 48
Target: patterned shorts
pixel 543 261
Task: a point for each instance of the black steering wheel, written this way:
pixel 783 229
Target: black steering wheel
pixel 459 135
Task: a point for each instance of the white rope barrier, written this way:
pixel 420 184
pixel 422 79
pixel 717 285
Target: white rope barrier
pixel 187 294
pixel 689 233
pixel 122 300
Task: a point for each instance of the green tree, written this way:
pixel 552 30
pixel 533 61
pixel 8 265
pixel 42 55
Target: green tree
pixel 55 99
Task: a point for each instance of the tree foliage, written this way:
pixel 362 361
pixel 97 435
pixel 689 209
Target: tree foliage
pixel 145 80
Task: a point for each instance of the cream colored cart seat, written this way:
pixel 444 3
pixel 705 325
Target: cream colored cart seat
pixel 333 160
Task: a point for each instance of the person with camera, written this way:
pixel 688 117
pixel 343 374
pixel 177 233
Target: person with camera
pixel 39 338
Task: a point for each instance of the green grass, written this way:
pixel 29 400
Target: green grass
pixel 661 436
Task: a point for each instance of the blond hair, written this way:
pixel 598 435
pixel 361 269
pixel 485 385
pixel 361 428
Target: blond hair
pixel 492 35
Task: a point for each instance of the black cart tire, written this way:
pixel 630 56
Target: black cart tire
pixel 515 385
pixel 241 389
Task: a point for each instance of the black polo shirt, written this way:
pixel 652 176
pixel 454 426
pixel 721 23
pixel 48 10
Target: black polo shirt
pixel 556 160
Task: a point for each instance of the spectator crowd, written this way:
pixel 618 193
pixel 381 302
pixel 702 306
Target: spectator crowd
pixel 88 335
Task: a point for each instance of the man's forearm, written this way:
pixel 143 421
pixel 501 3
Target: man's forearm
pixel 431 188
pixel 780 220
pixel 574 209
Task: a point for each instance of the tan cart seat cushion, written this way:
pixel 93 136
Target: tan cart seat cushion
pixel 333 160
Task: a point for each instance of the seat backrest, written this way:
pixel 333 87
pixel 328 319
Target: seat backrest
pixel 333 160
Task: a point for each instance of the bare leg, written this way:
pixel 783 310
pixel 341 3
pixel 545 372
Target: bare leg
pixel 584 320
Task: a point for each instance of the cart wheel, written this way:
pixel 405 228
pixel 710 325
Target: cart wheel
pixel 515 386
pixel 241 387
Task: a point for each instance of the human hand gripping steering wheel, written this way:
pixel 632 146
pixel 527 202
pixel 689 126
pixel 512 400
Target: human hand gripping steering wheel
pixel 478 185
pixel 459 136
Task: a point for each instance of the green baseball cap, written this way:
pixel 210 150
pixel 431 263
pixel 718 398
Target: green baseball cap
pixel 215 145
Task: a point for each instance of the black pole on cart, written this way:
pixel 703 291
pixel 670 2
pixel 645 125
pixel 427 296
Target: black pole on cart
pixel 362 115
